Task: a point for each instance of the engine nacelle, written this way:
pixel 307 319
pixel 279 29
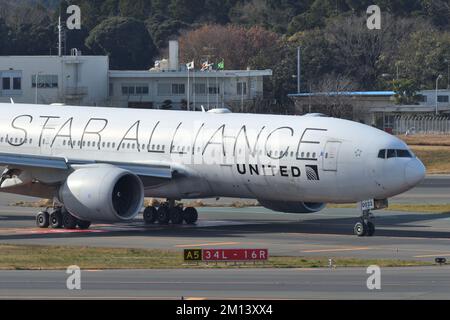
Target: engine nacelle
pixel 102 193
pixel 292 207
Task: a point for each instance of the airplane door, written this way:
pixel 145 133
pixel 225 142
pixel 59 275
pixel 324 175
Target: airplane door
pixel 331 154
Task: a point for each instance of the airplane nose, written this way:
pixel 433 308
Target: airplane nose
pixel 414 172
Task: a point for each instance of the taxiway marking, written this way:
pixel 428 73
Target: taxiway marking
pixel 337 250
pixel 434 255
pixel 206 244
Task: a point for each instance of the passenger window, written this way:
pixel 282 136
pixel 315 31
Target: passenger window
pixel 382 154
pixel 391 154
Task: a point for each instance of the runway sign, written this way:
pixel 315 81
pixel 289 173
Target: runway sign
pixel 194 255
pixel 223 255
pixel 226 255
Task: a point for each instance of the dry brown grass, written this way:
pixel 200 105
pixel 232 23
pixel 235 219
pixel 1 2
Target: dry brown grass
pixel 427 140
pixel 435 158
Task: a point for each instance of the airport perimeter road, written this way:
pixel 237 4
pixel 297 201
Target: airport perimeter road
pixel 403 283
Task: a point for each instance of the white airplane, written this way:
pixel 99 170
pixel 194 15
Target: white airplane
pixel 98 164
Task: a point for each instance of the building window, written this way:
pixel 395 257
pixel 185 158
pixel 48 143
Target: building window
pixel 128 90
pixel 422 98
pixel 442 98
pixel 178 89
pixel 214 90
pixel 44 81
pixel 164 89
pixel 241 88
pixel 200 88
pixel 111 89
pixel 6 84
pixel 142 90
pixel 17 83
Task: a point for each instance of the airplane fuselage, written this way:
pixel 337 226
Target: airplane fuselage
pixel 282 158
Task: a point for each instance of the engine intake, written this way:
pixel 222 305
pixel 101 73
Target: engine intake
pixel 292 207
pixel 102 193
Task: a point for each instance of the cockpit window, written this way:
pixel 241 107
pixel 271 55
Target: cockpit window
pixel 394 153
pixel 404 154
pixel 391 153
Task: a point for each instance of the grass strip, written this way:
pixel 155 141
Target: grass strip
pixel 30 257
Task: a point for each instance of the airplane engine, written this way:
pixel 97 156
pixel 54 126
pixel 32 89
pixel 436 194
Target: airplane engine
pixel 102 193
pixel 292 207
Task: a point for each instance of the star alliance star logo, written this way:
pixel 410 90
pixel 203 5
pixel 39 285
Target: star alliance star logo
pixel 358 153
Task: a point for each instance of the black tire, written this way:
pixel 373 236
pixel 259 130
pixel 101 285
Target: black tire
pixel 163 215
pixel 360 229
pixel 69 221
pixel 150 215
pixel 190 215
pixel 56 220
pixel 176 215
pixel 370 229
pixel 84 225
pixel 43 220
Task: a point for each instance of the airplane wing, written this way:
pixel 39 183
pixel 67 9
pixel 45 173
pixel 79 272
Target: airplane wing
pixel 145 171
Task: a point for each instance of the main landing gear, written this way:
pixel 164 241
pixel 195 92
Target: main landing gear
pixel 59 218
pixel 169 212
pixel 365 227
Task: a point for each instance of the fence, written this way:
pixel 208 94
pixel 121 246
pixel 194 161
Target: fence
pixel 421 125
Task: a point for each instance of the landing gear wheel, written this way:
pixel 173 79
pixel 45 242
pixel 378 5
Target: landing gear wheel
pixel 150 215
pixel 190 215
pixel 163 215
pixel 360 229
pixel 43 220
pixel 56 219
pixel 69 221
pixel 370 229
pixel 176 215
pixel 84 225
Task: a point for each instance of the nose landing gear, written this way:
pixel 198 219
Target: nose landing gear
pixel 365 227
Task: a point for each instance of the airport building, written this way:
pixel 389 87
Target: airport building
pixel 377 108
pixel 87 80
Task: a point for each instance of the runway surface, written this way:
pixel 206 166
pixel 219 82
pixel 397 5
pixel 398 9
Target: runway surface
pixel 341 284
pixel 329 233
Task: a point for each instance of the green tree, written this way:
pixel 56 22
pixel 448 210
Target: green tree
pixel 4 38
pixel 423 56
pixel 405 91
pixel 139 9
pixel 125 40
pixel 161 28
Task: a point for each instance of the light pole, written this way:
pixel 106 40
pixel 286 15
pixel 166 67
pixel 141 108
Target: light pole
pixel 37 85
pixel 448 73
pixel 437 84
pixel 299 64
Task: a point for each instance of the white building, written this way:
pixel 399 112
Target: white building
pixel 210 89
pixel 76 79
pixel 87 80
